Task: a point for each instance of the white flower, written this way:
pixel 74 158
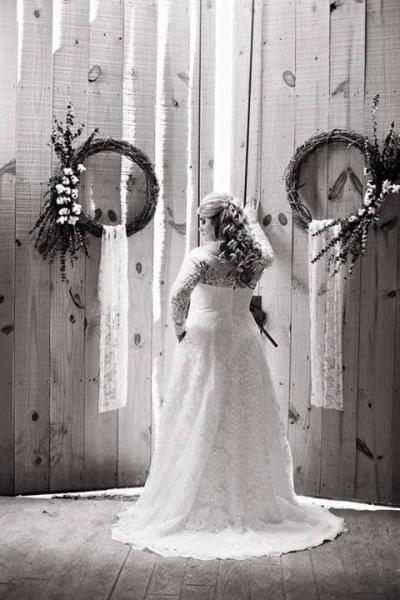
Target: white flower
pixel 67 191
pixel 353 218
pixel 395 188
pixel 371 210
pixel 76 208
pixel 61 219
pixel 74 194
pixel 64 211
pixel 361 211
pixel 72 220
pixel 81 167
pixel 366 170
pixel 74 179
pixel 68 170
pixel 65 180
pixel 60 188
pixel 367 200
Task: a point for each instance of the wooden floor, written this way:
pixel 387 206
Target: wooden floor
pixel 61 549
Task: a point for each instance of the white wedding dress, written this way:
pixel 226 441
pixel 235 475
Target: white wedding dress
pixel 221 478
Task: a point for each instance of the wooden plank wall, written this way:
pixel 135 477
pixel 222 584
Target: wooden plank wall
pixel 32 274
pixel 138 127
pixel 8 84
pixel 376 423
pixel 300 67
pixel 103 191
pixel 67 364
pixel 311 117
pixel 278 99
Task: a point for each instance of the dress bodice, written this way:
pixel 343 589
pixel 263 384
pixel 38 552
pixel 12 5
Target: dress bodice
pixel 208 282
pixel 223 299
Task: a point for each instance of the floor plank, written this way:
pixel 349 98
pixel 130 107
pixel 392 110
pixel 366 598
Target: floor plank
pixel 201 572
pixel 92 570
pixel 134 579
pixel 359 564
pixel 57 549
pixel 298 576
pixel 168 576
pixel 233 581
pixel 329 572
pixel 377 528
pixel 265 581
pixel 198 592
pixel 23 589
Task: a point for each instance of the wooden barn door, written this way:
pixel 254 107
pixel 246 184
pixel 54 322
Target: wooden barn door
pixel 299 67
pixel 323 64
pixel 102 57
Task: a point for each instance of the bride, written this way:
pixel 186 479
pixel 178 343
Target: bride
pixel 221 478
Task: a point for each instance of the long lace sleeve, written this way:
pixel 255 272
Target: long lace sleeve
pixel 260 236
pixel 189 275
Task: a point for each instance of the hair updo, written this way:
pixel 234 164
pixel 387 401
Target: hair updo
pixel 231 226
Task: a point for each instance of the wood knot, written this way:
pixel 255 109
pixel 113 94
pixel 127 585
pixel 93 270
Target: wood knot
pixel 289 78
pixel 94 73
pixel 267 220
pixel 282 218
pixel 7 329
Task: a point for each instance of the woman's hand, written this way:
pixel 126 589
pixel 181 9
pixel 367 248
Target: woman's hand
pixel 180 336
pixel 251 208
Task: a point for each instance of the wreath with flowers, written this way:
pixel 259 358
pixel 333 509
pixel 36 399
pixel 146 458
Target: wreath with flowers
pixel 62 226
pixel 382 171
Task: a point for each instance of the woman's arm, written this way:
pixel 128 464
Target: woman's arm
pixel 251 211
pixel 188 277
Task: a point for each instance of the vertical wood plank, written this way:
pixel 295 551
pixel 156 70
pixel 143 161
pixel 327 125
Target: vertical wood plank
pixel 32 273
pixel 207 98
pixel 241 56
pixel 278 98
pixel 102 191
pixel 311 117
pixel 379 272
pixel 254 131
pixel 139 86
pixel 346 103
pixel 193 143
pixel 171 147
pixel 8 83
pixel 67 349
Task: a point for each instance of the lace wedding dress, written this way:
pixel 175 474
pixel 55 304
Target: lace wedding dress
pixel 221 478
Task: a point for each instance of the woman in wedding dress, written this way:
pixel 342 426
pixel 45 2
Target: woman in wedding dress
pixel 221 479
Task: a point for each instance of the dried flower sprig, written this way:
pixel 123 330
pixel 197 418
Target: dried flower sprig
pixel 60 228
pixel 383 170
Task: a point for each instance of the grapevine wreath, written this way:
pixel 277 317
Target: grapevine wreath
pixel 382 171
pixel 62 225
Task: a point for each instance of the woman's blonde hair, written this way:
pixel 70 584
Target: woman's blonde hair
pixel 231 226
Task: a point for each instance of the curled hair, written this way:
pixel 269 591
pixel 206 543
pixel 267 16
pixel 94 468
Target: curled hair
pixel 231 226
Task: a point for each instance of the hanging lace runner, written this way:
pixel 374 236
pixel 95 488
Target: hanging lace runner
pixel 113 293
pixel 326 315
